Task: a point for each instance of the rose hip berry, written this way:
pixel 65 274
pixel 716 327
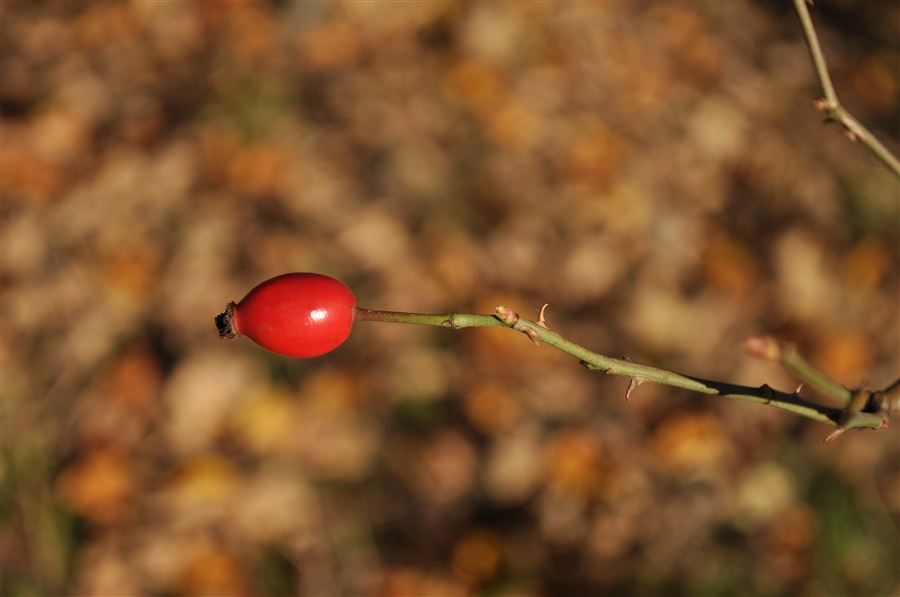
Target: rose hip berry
pixel 295 315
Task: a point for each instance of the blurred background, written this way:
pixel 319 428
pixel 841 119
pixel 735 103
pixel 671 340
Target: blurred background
pixel 653 170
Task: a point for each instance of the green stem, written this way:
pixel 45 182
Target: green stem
pixel 792 360
pixel 815 51
pixel 451 320
pixel 830 104
pixel 597 362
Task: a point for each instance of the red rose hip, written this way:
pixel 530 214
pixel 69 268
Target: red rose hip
pixel 295 315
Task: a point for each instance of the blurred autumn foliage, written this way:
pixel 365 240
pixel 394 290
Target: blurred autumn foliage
pixel 654 170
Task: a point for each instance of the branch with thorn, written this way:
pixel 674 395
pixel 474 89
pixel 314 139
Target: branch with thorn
pixel 829 104
pixel 860 408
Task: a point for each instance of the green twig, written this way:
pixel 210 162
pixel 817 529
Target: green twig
pixel 805 372
pixel 786 353
pixel 451 320
pixel 830 104
pixel 866 416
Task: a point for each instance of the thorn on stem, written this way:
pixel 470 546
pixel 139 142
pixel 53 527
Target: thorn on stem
pixel 855 130
pixel 635 382
pixel 531 333
pixel 541 321
pixel 833 435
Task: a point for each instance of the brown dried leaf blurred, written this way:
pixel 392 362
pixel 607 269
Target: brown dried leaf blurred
pixel 654 171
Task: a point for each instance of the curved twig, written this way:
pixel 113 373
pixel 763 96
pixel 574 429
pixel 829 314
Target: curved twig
pixel 830 104
pixel 862 409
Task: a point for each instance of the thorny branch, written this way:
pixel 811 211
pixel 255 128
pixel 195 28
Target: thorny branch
pixel 830 104
pixel 861 408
